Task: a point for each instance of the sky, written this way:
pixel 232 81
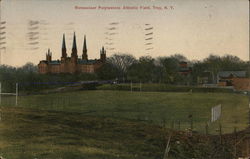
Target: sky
pixel 194 28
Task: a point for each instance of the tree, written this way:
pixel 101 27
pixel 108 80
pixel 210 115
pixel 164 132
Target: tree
pixel 200 70
pixel 107 72
pixel 122 62
pixel 170 67
pixel 8 78
pixel 232 63
pixel 144 70
pixel 213 63
pixel 29 67
pixel 179 57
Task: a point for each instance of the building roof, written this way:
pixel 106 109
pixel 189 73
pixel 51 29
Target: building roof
pixel 55 62
pixel 232 73
pixel 44 61
pixel 80 61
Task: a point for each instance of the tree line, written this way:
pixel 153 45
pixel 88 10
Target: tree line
pixel 126 68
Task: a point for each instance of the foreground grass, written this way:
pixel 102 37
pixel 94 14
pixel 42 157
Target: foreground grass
pixel 161 108
pixel 28 133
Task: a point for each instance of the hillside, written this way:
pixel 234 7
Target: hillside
pixel 161 108
pixel 28 133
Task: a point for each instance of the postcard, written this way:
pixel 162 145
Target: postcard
pixel 125 79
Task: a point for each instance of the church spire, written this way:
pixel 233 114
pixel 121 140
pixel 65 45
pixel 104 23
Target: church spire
pixel 49 56
pixel 84 50
pixel 84 43
pixel 103 54
pixel 63 42
pixel 64 54
pixel 74 48
pixel 74 42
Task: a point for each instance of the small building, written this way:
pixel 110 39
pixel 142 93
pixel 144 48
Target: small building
pixel 71 64
pixel 184 72
pixel 225 78
pixel 184 69
pixel 241 84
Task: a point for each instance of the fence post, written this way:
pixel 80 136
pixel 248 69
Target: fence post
pixel 131 86
pixel 16 92
pixel 247 147
pixel 0 93
pixel 163 123
pixel 206 128
pixel 140 86
pixel 191 121
pixel 235 142
pixel 220 131
pixel 172 124
pixel 167 148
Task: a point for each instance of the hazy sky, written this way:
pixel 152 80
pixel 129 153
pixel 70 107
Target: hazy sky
pixel 194 28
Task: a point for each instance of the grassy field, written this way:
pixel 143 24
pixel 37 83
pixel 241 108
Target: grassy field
pixel 117 124
pixel 162 108
pixel 41 134
pixel 157 87
pixel 29 134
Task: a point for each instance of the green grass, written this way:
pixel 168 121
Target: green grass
pixel 27 133
pixel 115 124
pixel 31 133
pixel 162 108
pixel 154 87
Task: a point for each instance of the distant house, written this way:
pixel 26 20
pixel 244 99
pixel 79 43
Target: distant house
pixel 225 78
pixel 185 72
pixel 184 69
pixel 241 84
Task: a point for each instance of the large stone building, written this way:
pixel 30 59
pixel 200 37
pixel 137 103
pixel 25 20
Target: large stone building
pixel 72 64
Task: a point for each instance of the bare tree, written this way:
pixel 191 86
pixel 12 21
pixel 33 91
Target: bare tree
pixel 122 62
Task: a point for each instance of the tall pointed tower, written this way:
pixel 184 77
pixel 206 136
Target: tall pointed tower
pixel 64 50
pixel 103 54
pixel 49 56
pixel 74 57
pixel 84 50
pixel 74 48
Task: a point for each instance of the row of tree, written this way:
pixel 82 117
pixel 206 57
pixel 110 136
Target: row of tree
pixel 126 68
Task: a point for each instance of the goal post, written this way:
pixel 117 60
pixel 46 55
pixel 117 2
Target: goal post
pixel 135 85
pixel 13 94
